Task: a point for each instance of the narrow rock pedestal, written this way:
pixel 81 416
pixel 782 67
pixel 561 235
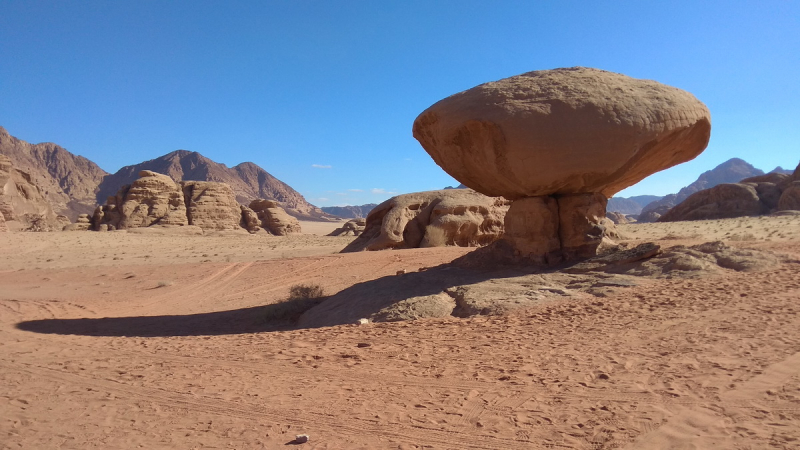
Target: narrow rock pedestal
pixel 550 229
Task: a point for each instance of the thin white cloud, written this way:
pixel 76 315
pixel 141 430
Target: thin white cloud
pixel 321 166
pixel 356 190
pixel 322 199
pixel 382 191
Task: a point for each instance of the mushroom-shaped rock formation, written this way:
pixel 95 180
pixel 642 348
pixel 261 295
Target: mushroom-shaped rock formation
pixel 560 142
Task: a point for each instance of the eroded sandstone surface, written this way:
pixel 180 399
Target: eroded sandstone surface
pixel 459 217
pixel 568 138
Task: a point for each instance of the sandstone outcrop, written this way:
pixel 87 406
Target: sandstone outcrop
pixel 763 194
pixel 619 218
pixel 453 290
pixel 82 223
pixel 23 204
pixel 459 217
pixel 350 228
pixel 248 181
pixel 273 218
pixel 790 198
pixel 156 199
pixel 211 205
pixel 560 142
pixel 153 199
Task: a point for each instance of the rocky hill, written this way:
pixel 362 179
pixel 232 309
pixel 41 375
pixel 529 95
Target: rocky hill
pixel 22 203
pixel 69 182
pixel 350 212
pixel 731 171
pixel 631 205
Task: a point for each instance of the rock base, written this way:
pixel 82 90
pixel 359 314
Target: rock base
pixel 549 230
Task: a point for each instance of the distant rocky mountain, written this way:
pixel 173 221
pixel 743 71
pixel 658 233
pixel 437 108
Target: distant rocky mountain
pixel 350 212
pixel 460 186
pixel 780 169
pixel 731 171
pixel 631 205
pixel 74 185
pixel 248 181
pixel 69 182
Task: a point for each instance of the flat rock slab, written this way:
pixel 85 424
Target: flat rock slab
pixel 448 290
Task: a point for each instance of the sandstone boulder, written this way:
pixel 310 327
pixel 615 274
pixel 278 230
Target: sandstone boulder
pixel 23 204
pixel 459 217
pixel 619 218
pixel 720 202
pixel 350 228
pixel 211 205
pixel 562 131
pixel 568 137
pixel 790 198
pixel 82 223
pixel 274 218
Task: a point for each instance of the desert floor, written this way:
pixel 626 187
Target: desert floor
pixel 128 340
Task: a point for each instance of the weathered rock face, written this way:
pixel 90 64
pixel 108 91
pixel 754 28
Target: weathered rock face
pixel 562 131
pixel 720 202
pixel 153 199
pixel 273 218
pixel 790 198
pixel 3 226
pixel 22 203
pixel 248 181
pixel 156 199
pixel 569 137
pixel 618 218
pixel 754 196
pixel 350 228
pixel 69 182
pixel 460 217
pixel 250 220
pixel 82 223
pixel 211 205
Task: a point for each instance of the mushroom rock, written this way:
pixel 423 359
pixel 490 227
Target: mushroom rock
pixel 571 136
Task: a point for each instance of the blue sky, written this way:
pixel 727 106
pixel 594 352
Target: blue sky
pixel 323 94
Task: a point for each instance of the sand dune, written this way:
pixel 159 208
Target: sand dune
pixel 124 340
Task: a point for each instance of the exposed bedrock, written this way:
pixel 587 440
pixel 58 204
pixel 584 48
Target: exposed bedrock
pixel 559 143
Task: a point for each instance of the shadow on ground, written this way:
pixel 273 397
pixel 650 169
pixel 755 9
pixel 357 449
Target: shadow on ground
pixel 370 296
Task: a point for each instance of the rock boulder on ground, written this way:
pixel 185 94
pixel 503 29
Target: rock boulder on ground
pixel 575 136
pixel 460 217
pixel 350 228
pixel 273 218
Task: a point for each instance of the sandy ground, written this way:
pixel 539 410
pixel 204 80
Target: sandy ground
pixel 126 340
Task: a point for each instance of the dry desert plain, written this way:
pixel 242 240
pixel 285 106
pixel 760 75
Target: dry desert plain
pixel 138 340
